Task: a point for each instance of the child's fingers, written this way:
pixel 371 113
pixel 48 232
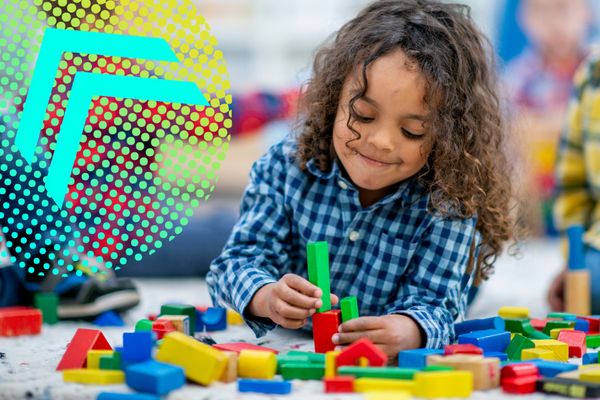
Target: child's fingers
pixel 375 336
pixel 334 299
pixel 302 285
pixel 361 324
pixel 298 299
pixel 291 312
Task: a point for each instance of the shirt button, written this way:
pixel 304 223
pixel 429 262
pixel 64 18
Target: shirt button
pixel 343 185
pixel 353 236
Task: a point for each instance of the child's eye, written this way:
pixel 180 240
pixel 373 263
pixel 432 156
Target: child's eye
pixel 410 135
pixel 363 119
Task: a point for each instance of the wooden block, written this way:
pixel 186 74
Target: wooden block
pixel 576 374
pixel 569 388
pixel 349 307
pixel 19 320
pixel 537 335
pixel 331 363
pixel 202 363
pixel 93 357
pixel 339 384
pixel 325 325
pixel 180 322
pixel 517 345
pixel 497 354
pixel 230 371
pixel 215 319
pixel 594 322
pixel 233 318
pixel 513 312
pixel 589 358
pixel 487 340
pixel 75 356
pixel 318 271
pixel 416 358
pixel 316 358
pixel 181 309
pixel 110 362
pixel 48 304
pixel 93 376
pixel 162 327
pixel 520 385
pixel 143 325
pixel 238 347
pixel 555 332
pixel 522 326
pixel 154 377
pixel 363 362
pixel 362 348
pixel 518 370
pixel 486 371
pixel 362 385
pixel 262 386
pixel 538 324
pixel 431 368
pixel 560 349
pixel 479 325
pixel 137 346
pixel 547 368
pixel 592 341
pixel 432 385
pixel 303 371
pixel 576 342
pixel 462 349
pixel 290 359
pixel 577 292
pixel 387 395
pixel 557 325
pixel 378 372
pixel 590 375
pixel 534 354
pixel 257 364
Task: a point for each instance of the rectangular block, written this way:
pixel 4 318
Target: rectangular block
pixel 48 304
pixel 292 359
pixel 181 309
pixel 349 307
pixel 93 376
pixel 432 385
pixel 378 372
pixel 303 371
pixel 576 341
pixel 520 385
pixel 560 350
pixel 592 341
pixel 534 354
pixel 154 377
pixel 230 371
pixel 93 357
pixel 110 362
pixel 18 320
pixel 137 346
pixel 180 322
pixel 569 388
pixel 325 325
pixel 462 349
pixel 487 340
pixel 497 354
pixel 416 358
pixel 485 371
pixel 593 321
pixel 318 271
pixel 362 385
pixel 546 368
pixel 513 312
pixel 263 386
pixel 339 384
pixel 331 363
pixel 316 358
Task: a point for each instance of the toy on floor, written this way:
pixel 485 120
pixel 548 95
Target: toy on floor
pixel 19 320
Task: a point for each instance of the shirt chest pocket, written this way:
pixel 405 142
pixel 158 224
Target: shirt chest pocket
pixel 394 251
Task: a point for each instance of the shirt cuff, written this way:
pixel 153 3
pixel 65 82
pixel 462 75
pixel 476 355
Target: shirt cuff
pixel 438 333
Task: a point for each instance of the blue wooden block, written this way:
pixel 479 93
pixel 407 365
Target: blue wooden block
pixel 108 318
pixel 549 369
pixel 589 358
pixel 199 323
pixel 580 324
pixel 137 346
pixel 154 377
pixel 215 319
pixel 497 354
pixel 488 340
pixel 268 387
pixel 416 358
pixel 479 325
pixel 126 396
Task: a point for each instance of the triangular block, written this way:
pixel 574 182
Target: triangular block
pixel 362 348
pixel 76 354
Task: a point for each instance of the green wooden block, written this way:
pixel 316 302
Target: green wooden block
pixel 111 362
pixel 378 372
pixel 181 309
pixel 537 335
pixel 561 315
pixel 522 326
pixel 291 359
pixel 517 345
pixel 349 308
pixel 315 358
pixel 592 341
pixel 48 304
pixel 557 325
pixel 318 271
pixel 143 325
pixel 437 368
pixel 303 371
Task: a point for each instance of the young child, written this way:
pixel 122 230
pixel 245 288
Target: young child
pixel 398 166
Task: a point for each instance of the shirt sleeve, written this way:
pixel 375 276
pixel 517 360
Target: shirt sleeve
pixel 434 291
pixel 259 246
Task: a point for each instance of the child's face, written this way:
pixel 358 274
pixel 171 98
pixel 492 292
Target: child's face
pixel 394 144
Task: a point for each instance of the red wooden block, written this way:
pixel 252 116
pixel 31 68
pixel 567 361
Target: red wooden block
pixel 84 340
pixel 592 333
pixel 15 321
pixel 594 322
pixel 362 348
pixel 518 370
pixel 575 340
pixel 237 347
pixel 462 349
pixel 539 324
pixel 520 384
pixel 202 308
pixel 162 327
pixel 339 384
pixel 325 325
pixel 152 317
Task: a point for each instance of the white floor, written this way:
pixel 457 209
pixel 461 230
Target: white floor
pixel 27 371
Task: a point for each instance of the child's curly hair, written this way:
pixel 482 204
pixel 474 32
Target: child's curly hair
pixel 467 172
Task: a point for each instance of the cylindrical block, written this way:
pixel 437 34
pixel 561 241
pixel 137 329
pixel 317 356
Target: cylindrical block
pixel 256 364
pixel 577 292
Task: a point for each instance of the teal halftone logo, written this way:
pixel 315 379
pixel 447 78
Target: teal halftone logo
pixel 114 119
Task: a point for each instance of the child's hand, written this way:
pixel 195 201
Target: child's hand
pixel 288 302
pixel 391 333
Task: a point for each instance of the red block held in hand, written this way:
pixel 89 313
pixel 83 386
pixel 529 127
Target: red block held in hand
pixel 325 325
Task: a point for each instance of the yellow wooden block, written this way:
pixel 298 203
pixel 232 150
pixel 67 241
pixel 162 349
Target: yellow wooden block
pixel 180 322
pixel 554 332
pixel 257 364
pixel 234 318
pixel 230 372
pixel 94 376
pixel 383 384
pixel 432 385
pixel 514 312
pixel 203 364
pixel 560 349
pixel 532 354
pixel 363 362
pixel 331 363
pixel 486 371
pixel 93 358
pixel 590 376
pixel 387 395
pixel 577 373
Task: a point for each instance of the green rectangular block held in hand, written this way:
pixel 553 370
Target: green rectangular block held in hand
pixel 349 308
pixel 318 271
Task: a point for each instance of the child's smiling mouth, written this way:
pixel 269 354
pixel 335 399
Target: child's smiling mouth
pixel 373 162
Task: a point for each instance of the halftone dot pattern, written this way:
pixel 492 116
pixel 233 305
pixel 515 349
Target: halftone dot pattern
pixel 142 166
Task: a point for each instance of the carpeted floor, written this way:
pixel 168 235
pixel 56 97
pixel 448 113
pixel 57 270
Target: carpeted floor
pixel 28 369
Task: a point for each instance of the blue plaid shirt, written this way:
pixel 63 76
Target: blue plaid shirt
pixel 394 256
